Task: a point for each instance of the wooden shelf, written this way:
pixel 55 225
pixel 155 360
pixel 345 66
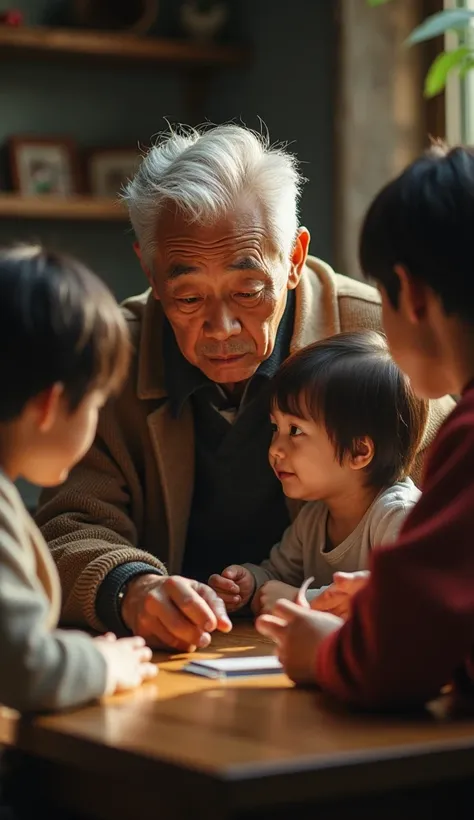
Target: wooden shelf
pixel 85 208
pixel 43 41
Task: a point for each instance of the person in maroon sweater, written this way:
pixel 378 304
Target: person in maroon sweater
pixel 410 626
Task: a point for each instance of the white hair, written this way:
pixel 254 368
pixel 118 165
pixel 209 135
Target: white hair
pixel 205 173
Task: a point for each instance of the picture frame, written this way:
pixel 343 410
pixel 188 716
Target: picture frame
pixel 44 166
pixel 109 168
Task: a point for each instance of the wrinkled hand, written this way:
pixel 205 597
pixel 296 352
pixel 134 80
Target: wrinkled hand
pixel 235 586
pixel 127 661
pixel 269 594
pixel 297 632
pixel 337 598
pixel 173 612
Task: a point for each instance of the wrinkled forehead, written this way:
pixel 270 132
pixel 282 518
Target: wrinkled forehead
pixel 242 236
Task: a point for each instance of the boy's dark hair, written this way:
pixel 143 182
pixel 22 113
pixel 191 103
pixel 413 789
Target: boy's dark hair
pixel 423 220
pixel 58 323
pixel 350 384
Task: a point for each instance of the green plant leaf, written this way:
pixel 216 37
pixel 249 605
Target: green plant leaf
pixel 440 67
pixel 439 23
pixel 467 65
pixel 377 2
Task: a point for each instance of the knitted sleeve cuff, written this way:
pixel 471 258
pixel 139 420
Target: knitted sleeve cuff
pixel 107 601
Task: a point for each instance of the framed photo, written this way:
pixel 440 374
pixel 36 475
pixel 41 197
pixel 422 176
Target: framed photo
pixel 110 168
pixel 43 166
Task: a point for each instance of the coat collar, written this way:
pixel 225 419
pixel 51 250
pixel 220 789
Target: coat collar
pixel 316 317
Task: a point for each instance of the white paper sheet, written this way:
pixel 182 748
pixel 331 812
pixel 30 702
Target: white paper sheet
pixel 235 667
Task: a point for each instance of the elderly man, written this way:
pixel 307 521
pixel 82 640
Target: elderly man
pixel 178 480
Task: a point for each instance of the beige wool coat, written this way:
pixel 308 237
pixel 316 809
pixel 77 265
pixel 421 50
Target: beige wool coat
pixel 130 498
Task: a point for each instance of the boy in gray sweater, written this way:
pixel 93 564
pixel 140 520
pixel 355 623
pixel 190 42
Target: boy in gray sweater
pixel 346 429
pixel 64 350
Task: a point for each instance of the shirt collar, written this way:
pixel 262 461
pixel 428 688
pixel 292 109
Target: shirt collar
pixel 182 379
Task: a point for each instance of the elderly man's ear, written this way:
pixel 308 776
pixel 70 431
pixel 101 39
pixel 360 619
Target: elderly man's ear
pixel 298 257
pixel 146 271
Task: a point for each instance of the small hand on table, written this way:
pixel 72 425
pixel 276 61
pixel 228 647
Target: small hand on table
pixel 337 598
pixel 127 662
pixel 298 630
pixel 234 586
pixel 271 592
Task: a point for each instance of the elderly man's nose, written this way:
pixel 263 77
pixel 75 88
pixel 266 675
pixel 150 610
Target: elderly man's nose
pixel 221 323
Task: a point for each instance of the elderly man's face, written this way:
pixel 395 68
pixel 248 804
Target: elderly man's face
pixel 223 289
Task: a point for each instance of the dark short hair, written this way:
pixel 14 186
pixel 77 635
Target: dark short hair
pixel 58 323
pixel 351 385
pixel 423 220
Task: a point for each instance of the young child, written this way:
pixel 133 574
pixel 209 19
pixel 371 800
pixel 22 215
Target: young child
pixel 346 429
pixel 411 626
pixel 63 350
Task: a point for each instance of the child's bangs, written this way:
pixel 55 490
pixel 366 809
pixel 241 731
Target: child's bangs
pixel 303 401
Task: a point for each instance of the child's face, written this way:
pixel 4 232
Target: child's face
pixel 304 459
pixel 62 439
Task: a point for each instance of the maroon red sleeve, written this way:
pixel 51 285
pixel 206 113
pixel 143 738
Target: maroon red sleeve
pixel 412 627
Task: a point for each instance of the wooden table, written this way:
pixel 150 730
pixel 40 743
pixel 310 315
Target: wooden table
pixel 188 747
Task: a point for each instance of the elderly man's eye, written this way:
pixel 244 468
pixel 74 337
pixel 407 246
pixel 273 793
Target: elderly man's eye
pixel 248 296
pixel 188 300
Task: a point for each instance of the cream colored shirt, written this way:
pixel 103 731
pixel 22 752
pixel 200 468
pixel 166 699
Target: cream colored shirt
pixel 303 552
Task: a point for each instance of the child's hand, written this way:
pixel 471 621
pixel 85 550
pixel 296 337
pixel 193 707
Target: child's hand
pixel 235 586
pixel 337 599
pixel 127 660
pixel 298 633
pixel 269 594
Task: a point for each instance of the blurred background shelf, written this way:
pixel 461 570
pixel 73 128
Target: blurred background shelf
pixel 47 42
pixel 84 208
pixel 272 72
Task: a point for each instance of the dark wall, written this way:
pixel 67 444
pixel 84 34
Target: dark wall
pixel 289 86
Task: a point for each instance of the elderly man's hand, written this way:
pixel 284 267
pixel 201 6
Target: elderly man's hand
pixel 173 612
